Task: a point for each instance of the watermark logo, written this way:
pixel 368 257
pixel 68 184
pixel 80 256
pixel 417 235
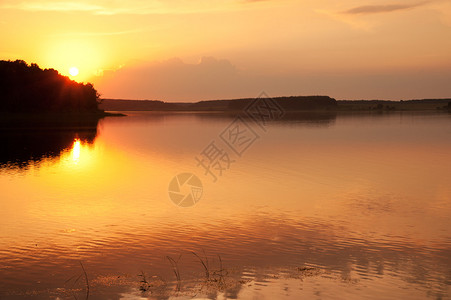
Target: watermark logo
pixel 264 109
pixel 217 157
pixel 185 189
pixel 239 136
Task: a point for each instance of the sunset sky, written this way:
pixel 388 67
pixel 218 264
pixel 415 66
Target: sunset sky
pixel 187 50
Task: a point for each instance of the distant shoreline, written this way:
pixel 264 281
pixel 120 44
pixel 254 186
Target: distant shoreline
pixel 296 104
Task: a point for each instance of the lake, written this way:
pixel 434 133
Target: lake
pixel 314 206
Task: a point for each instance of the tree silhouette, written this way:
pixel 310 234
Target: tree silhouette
pixel 28 88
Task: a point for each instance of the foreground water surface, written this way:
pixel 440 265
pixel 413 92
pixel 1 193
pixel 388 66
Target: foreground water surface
pixel 321 206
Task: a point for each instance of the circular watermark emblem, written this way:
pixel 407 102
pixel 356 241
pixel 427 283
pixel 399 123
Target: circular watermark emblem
pixel 185 189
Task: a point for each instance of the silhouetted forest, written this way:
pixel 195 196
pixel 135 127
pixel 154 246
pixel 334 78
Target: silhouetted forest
pixel 289 104
pixel 390 105
pixel 29 89
pixel 294 103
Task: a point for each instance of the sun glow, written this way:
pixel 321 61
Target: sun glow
pixel 76 151
pixel 79 156
pixel 77 58
pixel 73 71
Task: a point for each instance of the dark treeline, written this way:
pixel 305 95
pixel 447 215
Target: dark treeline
pixel 137 105
pixel 29 89
pixel 289 104
pixel 295 103
pixel 384 105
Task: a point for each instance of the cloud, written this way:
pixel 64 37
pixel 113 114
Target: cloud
pixel 356 23
pixel 115 7
pixel 171 80
pixel 372 9
pixel 53 6
pixel 352 16
pixel 211 78
pixel 95 7
pixel 90 34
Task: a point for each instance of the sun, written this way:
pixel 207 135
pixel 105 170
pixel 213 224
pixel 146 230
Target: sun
pixel 73 71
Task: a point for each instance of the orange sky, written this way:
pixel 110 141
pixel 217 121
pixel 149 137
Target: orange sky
pixel 197 49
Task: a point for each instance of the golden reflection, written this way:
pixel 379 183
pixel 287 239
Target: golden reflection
pixel 79 156
pixel 76 151
pixel 315 192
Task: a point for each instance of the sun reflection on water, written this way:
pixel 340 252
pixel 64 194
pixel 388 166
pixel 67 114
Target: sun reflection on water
pixel 76 151
pixel 79 156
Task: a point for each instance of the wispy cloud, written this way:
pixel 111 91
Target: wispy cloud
pixel 67 6
pixel 52 6
pixel 89 34
pixel 203 80
pixel 353 16
pixel 111 7
pixel 356 23
pixel 373 9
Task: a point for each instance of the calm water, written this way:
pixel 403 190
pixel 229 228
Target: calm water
pixel 327 206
